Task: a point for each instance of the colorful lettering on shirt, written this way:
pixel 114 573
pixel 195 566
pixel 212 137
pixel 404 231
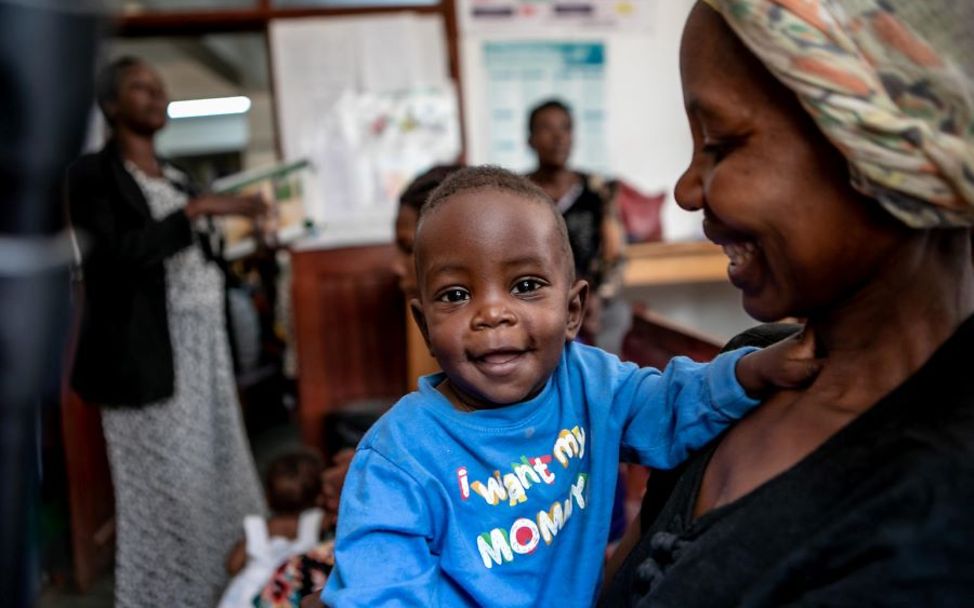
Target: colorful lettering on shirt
pixel 494 548
pixel 540 465
pixel 500 546
pixel 462 482
pixel 525 472
pixel 569 445
pixel 493 492
pixel 513 486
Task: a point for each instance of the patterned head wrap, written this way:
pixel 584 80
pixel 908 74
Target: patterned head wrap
pixel 898 104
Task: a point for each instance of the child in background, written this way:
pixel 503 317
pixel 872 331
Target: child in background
pixel 293 487
pixel 493 483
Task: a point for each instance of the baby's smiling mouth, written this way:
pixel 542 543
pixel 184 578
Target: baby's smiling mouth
pixel 498 360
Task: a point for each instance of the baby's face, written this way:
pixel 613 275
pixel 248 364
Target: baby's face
pixel 496 304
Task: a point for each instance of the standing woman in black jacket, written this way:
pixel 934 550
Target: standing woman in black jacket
pixel 153 351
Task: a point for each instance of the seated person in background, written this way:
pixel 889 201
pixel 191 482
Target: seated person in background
pixel 293 486
pixel 452 492
pixel 410 202
pixel 588 204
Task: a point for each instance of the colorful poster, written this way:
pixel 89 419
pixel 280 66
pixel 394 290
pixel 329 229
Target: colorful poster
pixel 488 16
pixel 519 75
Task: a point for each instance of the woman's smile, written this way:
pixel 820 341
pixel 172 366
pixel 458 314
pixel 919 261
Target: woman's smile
pixel 742 252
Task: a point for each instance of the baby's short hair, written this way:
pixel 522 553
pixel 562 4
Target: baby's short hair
pixel 486 178
pixel 420 188
pixel 294 482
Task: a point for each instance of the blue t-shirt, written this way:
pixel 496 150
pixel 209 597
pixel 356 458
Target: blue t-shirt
pixel 511 506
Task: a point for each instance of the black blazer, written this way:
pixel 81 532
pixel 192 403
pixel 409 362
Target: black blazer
pixel 124 354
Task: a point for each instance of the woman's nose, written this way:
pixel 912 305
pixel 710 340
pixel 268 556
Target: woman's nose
pixel 689 188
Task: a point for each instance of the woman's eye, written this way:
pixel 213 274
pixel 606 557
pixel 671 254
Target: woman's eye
pixel 454 295
pixel 526 286
pixel 716 150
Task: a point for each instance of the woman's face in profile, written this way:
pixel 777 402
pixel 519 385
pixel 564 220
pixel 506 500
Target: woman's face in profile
pixel 142 101
pixel 404 266
pixel 774 193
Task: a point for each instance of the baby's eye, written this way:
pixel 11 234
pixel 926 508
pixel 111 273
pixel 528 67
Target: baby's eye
pixel 526 286
pixel 453 295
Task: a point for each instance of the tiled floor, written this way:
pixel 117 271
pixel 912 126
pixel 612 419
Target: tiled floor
pixel 266 446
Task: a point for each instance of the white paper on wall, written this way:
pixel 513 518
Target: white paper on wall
pixel 377 112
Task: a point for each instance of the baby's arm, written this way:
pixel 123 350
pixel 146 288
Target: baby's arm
pixel 382 546
pixel 237 558
pixel 670 413
pixel 688 404
pixel 789 363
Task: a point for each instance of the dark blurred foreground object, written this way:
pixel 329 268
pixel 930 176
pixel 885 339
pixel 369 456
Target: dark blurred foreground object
pixel 47 52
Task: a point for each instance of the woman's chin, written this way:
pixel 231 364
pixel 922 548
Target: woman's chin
pixel 764 309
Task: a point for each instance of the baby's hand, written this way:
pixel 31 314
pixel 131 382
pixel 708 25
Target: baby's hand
pixel 332 480
pixel 790 363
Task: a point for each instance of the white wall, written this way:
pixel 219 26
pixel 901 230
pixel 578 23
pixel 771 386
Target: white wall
pixel 648 122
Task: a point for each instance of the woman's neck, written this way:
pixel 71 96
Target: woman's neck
pixel 553 175
pixel 555 181
pixel 892 326
pixel 140 150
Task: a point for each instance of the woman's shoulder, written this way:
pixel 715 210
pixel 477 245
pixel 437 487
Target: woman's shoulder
pixel 93 170
pixel 87 165
pixel 602 185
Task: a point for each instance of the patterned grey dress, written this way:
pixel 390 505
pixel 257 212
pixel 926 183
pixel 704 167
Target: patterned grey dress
pixel 182 468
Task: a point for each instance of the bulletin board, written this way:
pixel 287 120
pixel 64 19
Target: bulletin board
pixel 368 100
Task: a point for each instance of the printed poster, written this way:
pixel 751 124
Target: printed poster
pixel 519 75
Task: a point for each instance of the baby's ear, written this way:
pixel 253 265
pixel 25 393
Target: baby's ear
pixel 417 309
pixel 577 301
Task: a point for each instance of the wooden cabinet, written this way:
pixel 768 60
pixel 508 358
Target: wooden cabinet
pixel 653 340
pixel 350 333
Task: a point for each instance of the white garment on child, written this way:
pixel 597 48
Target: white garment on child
pixel 265 554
